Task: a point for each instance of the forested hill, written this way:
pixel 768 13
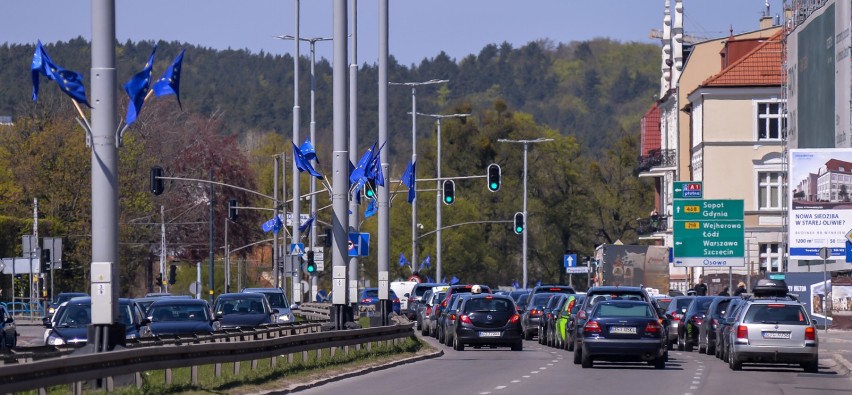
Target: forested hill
pixel 595 90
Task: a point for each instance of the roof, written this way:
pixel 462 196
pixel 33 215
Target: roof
pixel 760 67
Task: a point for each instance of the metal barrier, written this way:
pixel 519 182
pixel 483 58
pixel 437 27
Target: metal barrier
pixel 176 352
pixel 314 311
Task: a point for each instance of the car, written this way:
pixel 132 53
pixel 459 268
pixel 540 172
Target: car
pixel 415 299
pixel 451 317
pixel 462 288
pixel 553 289
pixel 532 314
pixel 444 315
pixel 662 301
pixel 71 321
pixel 623 330
pixel 421 305
pixel 707 330
pixel 687 331
pixel 485 319
pixel 521 303
pixel 8 331
pixel 279 303
pixel 563 331
pixel 243 310
pixel 599 294
pixel 771 328
pixel 370 297
pixel 433 313
pixel 177 316
pixel 61 298
pixel 518 293
pixel 545 324
pixel 724 327
pixel 674 312
pixel 146 301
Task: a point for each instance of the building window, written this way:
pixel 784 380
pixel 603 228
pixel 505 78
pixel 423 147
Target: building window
pixel 769 190
pixel 770 257
pixel 770 121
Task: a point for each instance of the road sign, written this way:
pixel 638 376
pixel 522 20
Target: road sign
pixel 576 270
pixel 359 244
pixel 302 218
pixel 709 233
pixel 688 189
pixel 825 252
pixel 297 249
pixel 570 260
pixel 195 288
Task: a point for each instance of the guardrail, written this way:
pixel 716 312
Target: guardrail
pixel 314 311
pixel 26 373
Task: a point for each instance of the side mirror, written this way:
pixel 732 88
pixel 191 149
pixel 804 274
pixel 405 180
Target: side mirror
pixel 218 317
pixel 407 295
pixel 145 321
pixel 730 320
pixel 294 307
pixel 46 322
pixel 11 320
pixel 669 316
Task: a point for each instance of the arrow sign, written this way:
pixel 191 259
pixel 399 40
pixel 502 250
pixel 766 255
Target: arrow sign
pixel 570 260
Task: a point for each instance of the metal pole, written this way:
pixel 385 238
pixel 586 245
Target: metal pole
pixel 198 280
pixel 825 291
pixel 212 201
pixel 276 270
pixel 105 230
pixel 313 241
pixel 283 243
pixel 340 201
pixel 353 149
pixel 297 206
pixel 414 162
pixel 438 197
pixel 227 260
pixel 383 195
pixel 163 286
pixel 526 220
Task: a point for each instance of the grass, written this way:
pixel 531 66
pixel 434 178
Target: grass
pixel 306 367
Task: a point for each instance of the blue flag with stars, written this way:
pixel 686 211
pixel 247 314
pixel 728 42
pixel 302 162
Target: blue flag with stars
pixel 408 179
pixel 309 151
pixel 302 163
pixel 169 83
pixel 402 260
pixel 70 82
pixel 137 89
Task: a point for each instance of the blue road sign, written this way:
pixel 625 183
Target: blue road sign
pixel 848 252
pixel 570 260
pixel 297 249
pixel 359 244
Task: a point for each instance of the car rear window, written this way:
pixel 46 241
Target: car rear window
pixel 371 293
pixel 540 299
pixel 663 303
pixel 488 304
pixel 786 314
pixel 615 296
pixel 608 310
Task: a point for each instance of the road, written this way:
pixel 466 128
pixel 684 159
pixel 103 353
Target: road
pixel 543 370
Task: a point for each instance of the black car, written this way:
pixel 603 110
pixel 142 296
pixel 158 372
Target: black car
pixel 278 301
pixel 532 314
pixel 172 316
pixel 624 330
pixel 553 289
pixel 450 316
pixel 8 332
pixel 242 310
pixel 734 307
pixel 687 331
pixel 596 295
pixel 707 334
pixel 487 320
pixel 415 298
pixel 61 298
pixel 674 313
pixel 71 325
pixel 548 318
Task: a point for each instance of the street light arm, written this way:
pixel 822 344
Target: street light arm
pixel 463 223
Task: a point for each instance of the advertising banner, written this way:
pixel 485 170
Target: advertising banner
pixel 635 265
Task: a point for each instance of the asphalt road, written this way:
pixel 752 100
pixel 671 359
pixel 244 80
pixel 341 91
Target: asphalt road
pixel 543 370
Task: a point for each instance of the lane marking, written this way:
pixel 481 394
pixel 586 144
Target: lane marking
pixel 515 381
pixel 692 387
pixel 526 377
pixel 534 372
pixel 499 387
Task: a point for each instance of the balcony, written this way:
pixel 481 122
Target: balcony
pixel 651 225
pixel 656 158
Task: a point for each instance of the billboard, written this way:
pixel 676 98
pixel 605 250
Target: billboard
pixel 635 265
pixel 810 290
pixel 820 201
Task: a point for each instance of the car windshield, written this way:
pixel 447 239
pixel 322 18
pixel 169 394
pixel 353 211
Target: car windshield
pixel 487 305
pixel 683 303
pixel 277 300
pixel 420 291
pixel 540 299
pixel 240 306
pixel 75 315
pixel 189 312
pixel 608 310
pixel 371 293
pixel 786 314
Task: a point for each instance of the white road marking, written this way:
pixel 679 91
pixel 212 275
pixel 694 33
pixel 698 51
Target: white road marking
pixel 550 364
pixel 696 382
pixel 534 372
pixel 526 377
pixel 692 387
pixel 499 387
pixel 515 381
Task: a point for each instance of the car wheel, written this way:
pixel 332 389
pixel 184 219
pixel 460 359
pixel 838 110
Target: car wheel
pixel 519 346
pixel 670 345
pixel 702 350
pixel 811 367
pixel 666 356
pixel 527 335
pixel 733 362
pixel 710 350
pixel 687 345
pixel 457 345
pixel 718 352
pixel 680 345
pixel 577 355
pixel 3 346
pixel 569 344
pixel 448 340
pixel 587 362
pixel 660 363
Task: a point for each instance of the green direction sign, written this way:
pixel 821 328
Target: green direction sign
pixel 709 233
pixel 688 190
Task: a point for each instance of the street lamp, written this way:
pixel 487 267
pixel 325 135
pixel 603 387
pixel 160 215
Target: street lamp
pixel 526 144
pixel 438 222
pixel 414 86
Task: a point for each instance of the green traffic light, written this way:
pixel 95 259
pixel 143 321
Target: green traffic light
pixel 519 229
pixel 493 185
pixel 448 199
pixel 311 268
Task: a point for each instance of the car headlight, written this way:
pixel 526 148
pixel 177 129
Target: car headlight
pixel 54 340
pixel 131 336
pixel 284 318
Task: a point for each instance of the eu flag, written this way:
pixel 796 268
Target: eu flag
pixel 70 82
pixel 137 89
pixel 360 169
pixel 302 163
pixel 169 83
pixel 408 179
pixel 454 280
pixel 309 151
pixel 402 260
pixel 371 209
pixel 306 225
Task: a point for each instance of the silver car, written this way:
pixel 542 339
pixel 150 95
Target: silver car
pixel 773 330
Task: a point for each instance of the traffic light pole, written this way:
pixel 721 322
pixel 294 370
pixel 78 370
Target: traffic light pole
pixel 526 144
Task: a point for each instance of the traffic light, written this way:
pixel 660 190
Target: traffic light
pixel 160 279
pixel 519 223
pixel 370 189
pixel 311 265
pixel 158 185
pixel 328 238
pixel 232 210
pixel 172 274
pixel 493 177
pixel 45 260
pixel 449 191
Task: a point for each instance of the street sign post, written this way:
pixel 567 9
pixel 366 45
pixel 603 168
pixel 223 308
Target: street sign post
pixel 709 233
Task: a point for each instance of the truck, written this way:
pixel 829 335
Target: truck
pixel 633 265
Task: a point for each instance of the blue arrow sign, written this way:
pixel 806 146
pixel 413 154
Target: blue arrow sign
pixel 359 244
pixel 570 260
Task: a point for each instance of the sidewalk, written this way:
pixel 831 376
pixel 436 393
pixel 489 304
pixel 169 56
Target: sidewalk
pixel 836 345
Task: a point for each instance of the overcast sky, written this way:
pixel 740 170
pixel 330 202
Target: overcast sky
pixel 418 29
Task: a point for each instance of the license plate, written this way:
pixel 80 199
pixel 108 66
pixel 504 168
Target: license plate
pixel 627 330
pixel 776 335
pixel 489 334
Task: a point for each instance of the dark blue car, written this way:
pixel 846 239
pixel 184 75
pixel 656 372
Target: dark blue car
pixel 72 324
pixel 624 330
pixel 242 310
pixel 172 316
pixel 370 297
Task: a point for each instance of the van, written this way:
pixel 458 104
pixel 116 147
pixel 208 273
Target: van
pixel 403 289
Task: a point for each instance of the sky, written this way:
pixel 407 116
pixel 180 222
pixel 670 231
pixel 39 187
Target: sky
pixel 418 29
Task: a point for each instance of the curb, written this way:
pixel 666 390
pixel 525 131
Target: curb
pixel 323 381
pixel 844 367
